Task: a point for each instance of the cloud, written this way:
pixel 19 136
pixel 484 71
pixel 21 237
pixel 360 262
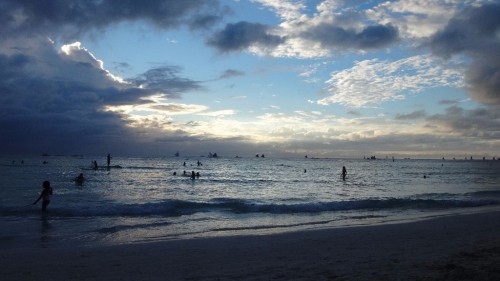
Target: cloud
pixel 481 123
pixel 177 109
pixel 219 113
pixel 70 18
pixel 369 38
pixel 473 32
pixel 371 82
pixel 448 102
pixel 287 10
pixel 334 27
pixel 242 35
pixel 165 79
pixel 229 73
pixel 415 19
pixel 411 116
pixel 58 100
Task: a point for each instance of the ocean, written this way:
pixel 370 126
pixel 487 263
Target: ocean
pixel 139 199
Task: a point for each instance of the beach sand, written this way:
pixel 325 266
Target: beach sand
pixel 458 247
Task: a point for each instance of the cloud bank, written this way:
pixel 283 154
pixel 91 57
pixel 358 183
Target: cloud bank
pixel 62 99
pixel 474 33
pixel 58 99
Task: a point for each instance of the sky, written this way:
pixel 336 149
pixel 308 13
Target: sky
pixel 323 78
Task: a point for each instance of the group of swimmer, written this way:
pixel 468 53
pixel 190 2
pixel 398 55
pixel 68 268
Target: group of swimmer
pixel 198 163
pixel 193 174
pixel 108 162
pixel 48 191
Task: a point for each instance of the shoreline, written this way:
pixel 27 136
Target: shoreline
pixel 441 248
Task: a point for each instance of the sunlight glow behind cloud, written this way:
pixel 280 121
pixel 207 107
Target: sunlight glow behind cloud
pixel 336 78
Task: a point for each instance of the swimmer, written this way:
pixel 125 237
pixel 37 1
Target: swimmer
pixel 79 179
pixel 46 192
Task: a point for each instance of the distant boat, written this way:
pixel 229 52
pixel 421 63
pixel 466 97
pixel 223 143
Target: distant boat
pixel 177 154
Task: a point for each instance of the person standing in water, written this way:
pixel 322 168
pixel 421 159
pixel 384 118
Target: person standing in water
pixel 109 160
pixel 46 192
pixel 344 173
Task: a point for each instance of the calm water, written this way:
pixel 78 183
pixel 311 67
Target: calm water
pixel 140 200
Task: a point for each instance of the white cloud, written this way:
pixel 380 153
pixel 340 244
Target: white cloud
pixel 77 53
pixel 371 82
pixel 415 18
pixel 219 113
pixel 285 9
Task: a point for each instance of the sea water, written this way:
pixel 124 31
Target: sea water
pixel 139 199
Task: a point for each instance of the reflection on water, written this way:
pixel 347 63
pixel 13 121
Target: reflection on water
pixel 45 231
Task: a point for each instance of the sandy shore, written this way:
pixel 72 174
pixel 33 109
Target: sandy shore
pixel 461 247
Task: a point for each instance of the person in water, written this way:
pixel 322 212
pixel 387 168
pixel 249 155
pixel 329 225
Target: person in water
pixel 193 175
pixel 108 160
pixel 344 173
pixel 79 179
pixel 46 192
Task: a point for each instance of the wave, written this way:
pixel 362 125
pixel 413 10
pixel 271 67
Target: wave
pixel 486 193
pixel 173 208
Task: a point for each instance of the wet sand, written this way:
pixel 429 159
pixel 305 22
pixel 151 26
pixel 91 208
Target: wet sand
pixel 458 247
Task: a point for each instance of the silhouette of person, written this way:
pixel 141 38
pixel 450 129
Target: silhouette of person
pixel 197 175
pixel 46 192
pixel 193 175
pixel 94 164
pixel 79 179
pixel 344 173
pixel 108 160
pixel 175 173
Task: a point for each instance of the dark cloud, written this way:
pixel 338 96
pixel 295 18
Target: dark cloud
pixel 448 102
pixel 242 35
pixel 56 102
pixel 411 116
pixel 474 32
pixel 22 17
pixel 231 73
pixel 371 37
pixel 483 123
pixel 165 79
